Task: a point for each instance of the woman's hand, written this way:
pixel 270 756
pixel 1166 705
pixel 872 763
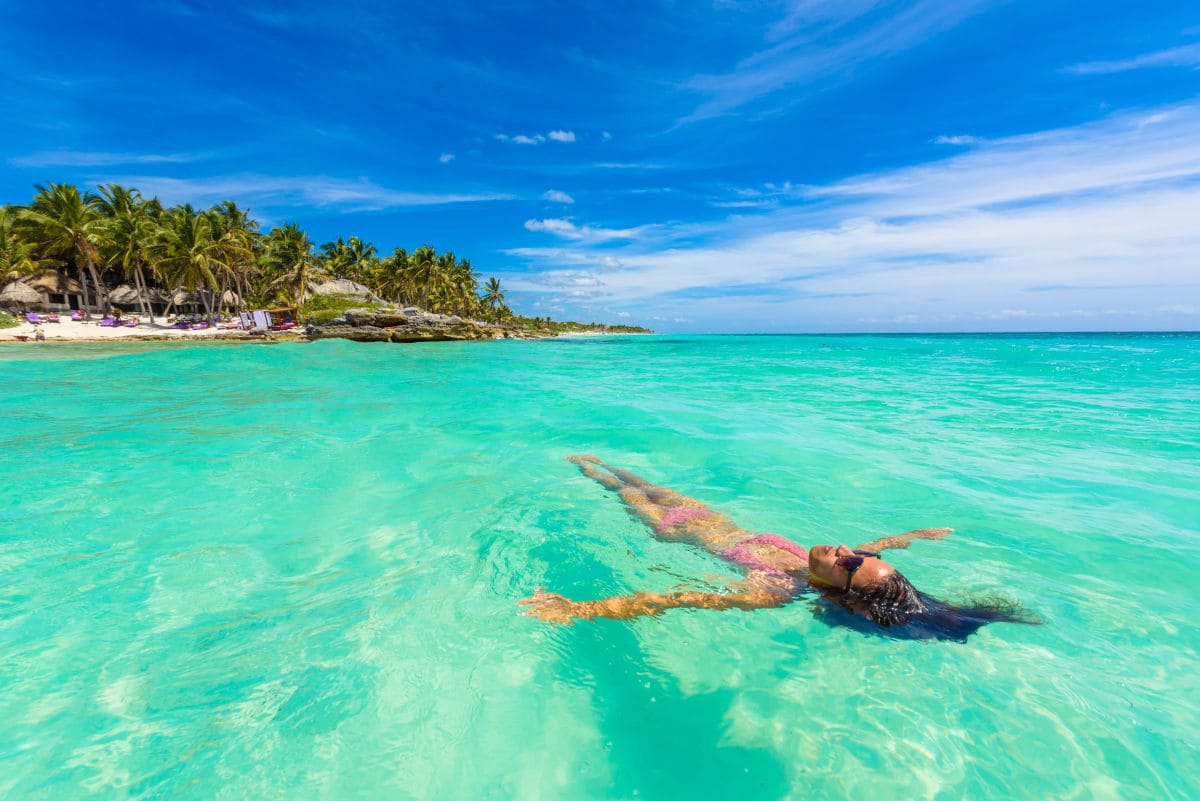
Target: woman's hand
pixel 897 541
pixel 552 607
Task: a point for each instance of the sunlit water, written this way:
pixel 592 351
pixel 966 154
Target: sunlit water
pixel 292 571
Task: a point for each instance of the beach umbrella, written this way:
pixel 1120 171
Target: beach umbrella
pixel 230 298
pixel 19 293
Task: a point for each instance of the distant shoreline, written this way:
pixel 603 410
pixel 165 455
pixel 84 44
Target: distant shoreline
pixel 70 331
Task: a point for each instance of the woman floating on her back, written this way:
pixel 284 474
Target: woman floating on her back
pixel 777 571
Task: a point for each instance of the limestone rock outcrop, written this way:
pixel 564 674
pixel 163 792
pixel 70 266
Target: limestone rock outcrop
pixel 409 325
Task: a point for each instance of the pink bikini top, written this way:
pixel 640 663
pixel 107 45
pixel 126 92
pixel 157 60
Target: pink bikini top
pixel 740 553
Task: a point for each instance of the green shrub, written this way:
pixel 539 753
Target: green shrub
pixel 320 309
pixel 7 320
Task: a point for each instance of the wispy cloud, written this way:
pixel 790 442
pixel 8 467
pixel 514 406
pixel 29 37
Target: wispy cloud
pixel 629 165
pixel 91 158
pixel 1185 56
pixel 323 191
pixel 446 158
pixel 521 139
pixel 536 139
pixel 975 237
pixel 569 230
pixel 555 196
pixel 961 139
pixel 858 32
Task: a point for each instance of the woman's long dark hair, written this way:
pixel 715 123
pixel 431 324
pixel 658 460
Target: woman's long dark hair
pixel 904 611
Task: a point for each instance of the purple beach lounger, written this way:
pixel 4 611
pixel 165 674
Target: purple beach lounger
pixel 109 322
pixel 33 318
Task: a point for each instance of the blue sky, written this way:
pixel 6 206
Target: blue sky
pixel 812 165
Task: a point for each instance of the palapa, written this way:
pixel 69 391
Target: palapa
pixel 124 294
pixel 19 293
pixel 53 282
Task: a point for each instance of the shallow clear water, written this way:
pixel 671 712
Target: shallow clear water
pixel 291 571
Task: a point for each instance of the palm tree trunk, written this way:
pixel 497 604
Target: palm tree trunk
pixel 143 293
pixel 87 298
pixel 101 295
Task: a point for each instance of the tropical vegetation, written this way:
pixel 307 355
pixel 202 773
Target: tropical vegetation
pixel 218 258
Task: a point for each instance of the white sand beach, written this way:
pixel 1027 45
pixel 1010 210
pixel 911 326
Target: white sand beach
pixel 83 331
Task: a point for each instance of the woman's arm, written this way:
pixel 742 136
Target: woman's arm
pixel 557 609
pixel 904 540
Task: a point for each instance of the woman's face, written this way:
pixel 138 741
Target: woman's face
pixel 823 567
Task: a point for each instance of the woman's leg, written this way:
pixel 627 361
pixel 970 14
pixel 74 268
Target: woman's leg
pixel 665 511
pixel 660 496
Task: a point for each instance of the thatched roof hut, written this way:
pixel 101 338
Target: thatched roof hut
pixel 52 282
pixel 19 293
pixel 124 295
pixel 182 297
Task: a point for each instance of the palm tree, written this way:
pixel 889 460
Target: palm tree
pixel 493 295
pixel 235 235
pixel 289 258
pixel 129 233
pixel 422 270
pixel 336 257
pixel 186 253
pixel 62 223
pixel 464 283
pixel 393 271
pixel 17 257
pixel 363 259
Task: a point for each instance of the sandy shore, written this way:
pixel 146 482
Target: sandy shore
pixel 73 331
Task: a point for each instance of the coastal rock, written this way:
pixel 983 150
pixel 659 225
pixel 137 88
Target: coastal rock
pixel 359 333
pixel 409 325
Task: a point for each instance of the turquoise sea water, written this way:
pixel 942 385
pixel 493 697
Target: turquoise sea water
pixel 291 571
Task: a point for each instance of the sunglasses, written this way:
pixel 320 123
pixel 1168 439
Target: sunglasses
pixel 852 563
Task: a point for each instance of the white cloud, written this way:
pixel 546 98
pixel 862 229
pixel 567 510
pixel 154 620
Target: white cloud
pixel 536 139
pixel 955 140
pixel 319 190
pixel 1185 56
pixel 606 136
pixel 521 139
pixel 1080 226
pixel 555 196
pixel 628 165
pixel 557 280
pixel 742 204
pixel 568 230
pixel 446 158
pixel 858 32
pixel 82 158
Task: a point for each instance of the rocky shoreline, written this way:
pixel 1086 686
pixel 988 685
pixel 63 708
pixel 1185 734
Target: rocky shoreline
pixel 359 325
pixel 411 325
